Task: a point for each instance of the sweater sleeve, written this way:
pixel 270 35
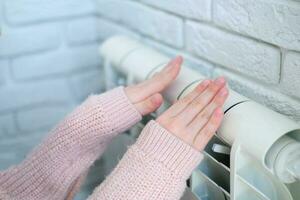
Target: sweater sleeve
pixel 155 167
pixel 55 166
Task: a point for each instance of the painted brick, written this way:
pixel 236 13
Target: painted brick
pixel 31 137
pixel 24 11
pixel 202 66
pixel 290 75
pixel 264 95
pixel 37 92
pixel 2 17
pixel 31 39
pixel 47 116
pixel 195 9
pixel 93 29
pixel 3 69
pixel 7 159
pixel 82 30
pixel 63 62
pixel 111 9
pixel 232 51
pixel 7 125
pixel 13 150
pixel 159 25
pixel 277 22
pixel 107 29
pixel 84 84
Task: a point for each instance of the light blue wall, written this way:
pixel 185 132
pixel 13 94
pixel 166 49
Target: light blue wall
pixel 49 63
pixel 45 70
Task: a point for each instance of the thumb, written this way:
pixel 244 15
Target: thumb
pixel 155 84
pixel 150 104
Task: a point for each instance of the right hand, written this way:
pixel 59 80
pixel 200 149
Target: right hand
pixel 196 117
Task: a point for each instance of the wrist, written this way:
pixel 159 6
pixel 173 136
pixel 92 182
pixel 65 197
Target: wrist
pixel 120 113
pixel 175 154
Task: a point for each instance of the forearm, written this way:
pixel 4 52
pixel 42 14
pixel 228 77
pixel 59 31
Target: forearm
pixel 156 167
pixel 71 148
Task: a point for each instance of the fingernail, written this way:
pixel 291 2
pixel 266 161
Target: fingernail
pixel 224 91
pixel 220 80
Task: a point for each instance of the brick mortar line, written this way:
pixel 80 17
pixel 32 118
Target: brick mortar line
pixel 235 33
pixel 56 76
pixel 46 21
pixel 212 23
pixel 123 25
pixel 166 11
pixel 272 88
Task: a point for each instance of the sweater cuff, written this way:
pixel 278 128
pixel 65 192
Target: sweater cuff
pixel 120 113
pixel 178 156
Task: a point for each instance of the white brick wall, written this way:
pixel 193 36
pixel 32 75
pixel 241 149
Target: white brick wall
pixel 54 63
pixel 18 41
pixel 3 69
pixel 92 29
pixel 254 43
pixel 291 74
pixel 43 74
pixel 150 22
pixel 237 53
pixel 49 61
pixel 30 11
pixel 274 21
pixel 193 9
pixel 266 95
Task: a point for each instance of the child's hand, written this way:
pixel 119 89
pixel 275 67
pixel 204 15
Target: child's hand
pixel 197 116
pixel 146 96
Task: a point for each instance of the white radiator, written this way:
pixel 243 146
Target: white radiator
pixel 255 154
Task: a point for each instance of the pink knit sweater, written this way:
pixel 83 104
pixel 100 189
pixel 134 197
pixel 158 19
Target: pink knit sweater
pixel 155 167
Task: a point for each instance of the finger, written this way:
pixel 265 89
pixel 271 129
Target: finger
pixel 178 106
pixel 203 137
pixel 202 118
pixel 199 103
pixel 150 104
pixel 163 78
pixel 157 83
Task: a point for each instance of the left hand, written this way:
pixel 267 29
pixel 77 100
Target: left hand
pixel 146 96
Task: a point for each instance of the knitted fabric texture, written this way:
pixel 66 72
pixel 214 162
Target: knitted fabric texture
pixel 53 168
pixel 155 167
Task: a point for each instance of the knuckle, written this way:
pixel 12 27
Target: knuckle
pixel 186 100
pixel 210 127
pixel 197 105
pixel 199 101
pixel 213 88
pixel 212 106
pixel 205 115
pixel 219 99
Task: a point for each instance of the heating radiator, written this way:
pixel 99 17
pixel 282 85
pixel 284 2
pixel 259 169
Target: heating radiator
pixel 255 154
